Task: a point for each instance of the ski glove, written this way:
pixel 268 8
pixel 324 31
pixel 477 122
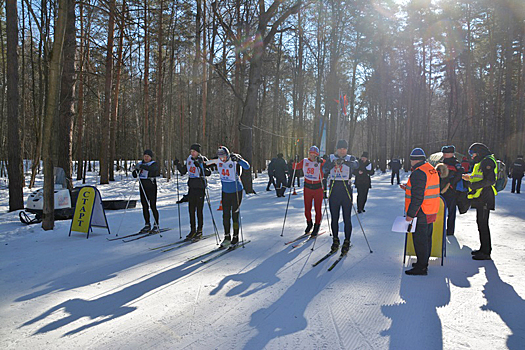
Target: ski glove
pixel 200 160
pixel 319 160
pixel 234 157
pixel 137 166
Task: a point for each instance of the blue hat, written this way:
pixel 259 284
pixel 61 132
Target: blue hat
pixel 417 154
pixel 314 149
pixel 342 144
pixel 448 149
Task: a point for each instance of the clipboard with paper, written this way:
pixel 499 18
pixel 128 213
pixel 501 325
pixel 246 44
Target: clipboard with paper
pixel 402 225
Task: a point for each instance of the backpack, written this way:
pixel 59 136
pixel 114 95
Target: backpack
pixel 501 177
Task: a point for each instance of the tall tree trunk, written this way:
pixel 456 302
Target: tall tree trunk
pixel 48 221
pixel 104 125
pixel 67 92
pixel 114 101
pixel 16 200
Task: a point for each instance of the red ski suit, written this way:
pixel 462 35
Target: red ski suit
pixel 313 188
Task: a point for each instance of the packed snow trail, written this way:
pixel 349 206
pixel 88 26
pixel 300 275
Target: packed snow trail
pixel 64 292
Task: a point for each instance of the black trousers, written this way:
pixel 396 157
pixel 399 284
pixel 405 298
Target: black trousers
pixel 451 201
pixel 395 173
pixel 230 210
pixel 482 219
pixel 516 184
pixel 271 181
pixel 280 185
pixel 423 243
pixel 362 196
pixel 339 199
pixel 195 206
pixel 148 192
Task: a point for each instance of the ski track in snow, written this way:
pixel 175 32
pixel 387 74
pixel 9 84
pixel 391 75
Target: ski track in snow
pixel 64 292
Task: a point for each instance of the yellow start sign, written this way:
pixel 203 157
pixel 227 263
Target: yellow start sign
pixel 89 211
pixel 83 210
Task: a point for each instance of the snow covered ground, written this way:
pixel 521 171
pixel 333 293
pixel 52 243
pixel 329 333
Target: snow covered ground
pixel 68 292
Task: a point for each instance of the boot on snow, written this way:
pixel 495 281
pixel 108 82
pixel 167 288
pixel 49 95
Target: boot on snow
pixel 309 226
pixel 198 235
pixel 315 231
pixel 335 245
pixel 146 228
pixel 190 235
pixel 346 247
pixel 227 241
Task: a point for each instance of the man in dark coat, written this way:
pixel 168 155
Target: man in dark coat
pixel 271 178
pixel 482 194
pixel 517 169
pixel 455 171
pixel 395 166
pixel 280 171
pixel 362 181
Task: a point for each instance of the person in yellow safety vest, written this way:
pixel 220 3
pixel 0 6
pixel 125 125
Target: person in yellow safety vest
pixel 421 201
pixel 482 194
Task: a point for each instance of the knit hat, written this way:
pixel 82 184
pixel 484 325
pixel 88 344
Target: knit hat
pixel 223 151
pixel 481 149
pixel 196 147
pixel 279 155
pixel 314 149
pixel 148 152
pixel 342 144
pixel 448 149
pixel 417 154
pixel 365 154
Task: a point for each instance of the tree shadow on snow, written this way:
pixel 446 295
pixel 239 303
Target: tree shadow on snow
pixel 264 274
pixel 503 300
pixel 109 306
pixel 415 321
pixel 286 315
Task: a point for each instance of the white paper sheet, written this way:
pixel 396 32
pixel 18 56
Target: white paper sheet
pixel 401 225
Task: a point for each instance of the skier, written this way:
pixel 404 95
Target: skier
pixel 517 169
pixel 362 181
pixel 280 171
pixel 482 194
pixel 395 165
pixel 421 201
pixel 196 169
pixel 147 170
pixel 294 172
pixel 340 166
pixel 313 188
pixel 229 166
pixel 451 182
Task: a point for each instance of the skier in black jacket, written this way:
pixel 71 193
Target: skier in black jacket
pixel 197 170
pixel 271 179
pixel 362 181
pixel 147 170
pixel 517 169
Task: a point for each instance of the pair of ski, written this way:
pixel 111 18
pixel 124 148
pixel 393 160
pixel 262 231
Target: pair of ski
pixel 179 244
pixel 341 257
pixel 139 234
pixel 310 238
pixel 221 250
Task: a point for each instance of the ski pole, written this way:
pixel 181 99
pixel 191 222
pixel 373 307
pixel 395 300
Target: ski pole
pixel 149 204
pixel 287 204
pixel 178 199
pixel 127 204
pixel 207 194
pixel 238 205
pixel 359 220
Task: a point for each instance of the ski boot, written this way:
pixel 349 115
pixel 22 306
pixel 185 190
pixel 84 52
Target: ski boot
pixel 146 228
pixel 335 245
pixel 346 247
pixel 309 226
pixel 226 242
pixel 315 231
pixel 190 235
pixel 155 229
pixel 198 235
pixel 235 239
